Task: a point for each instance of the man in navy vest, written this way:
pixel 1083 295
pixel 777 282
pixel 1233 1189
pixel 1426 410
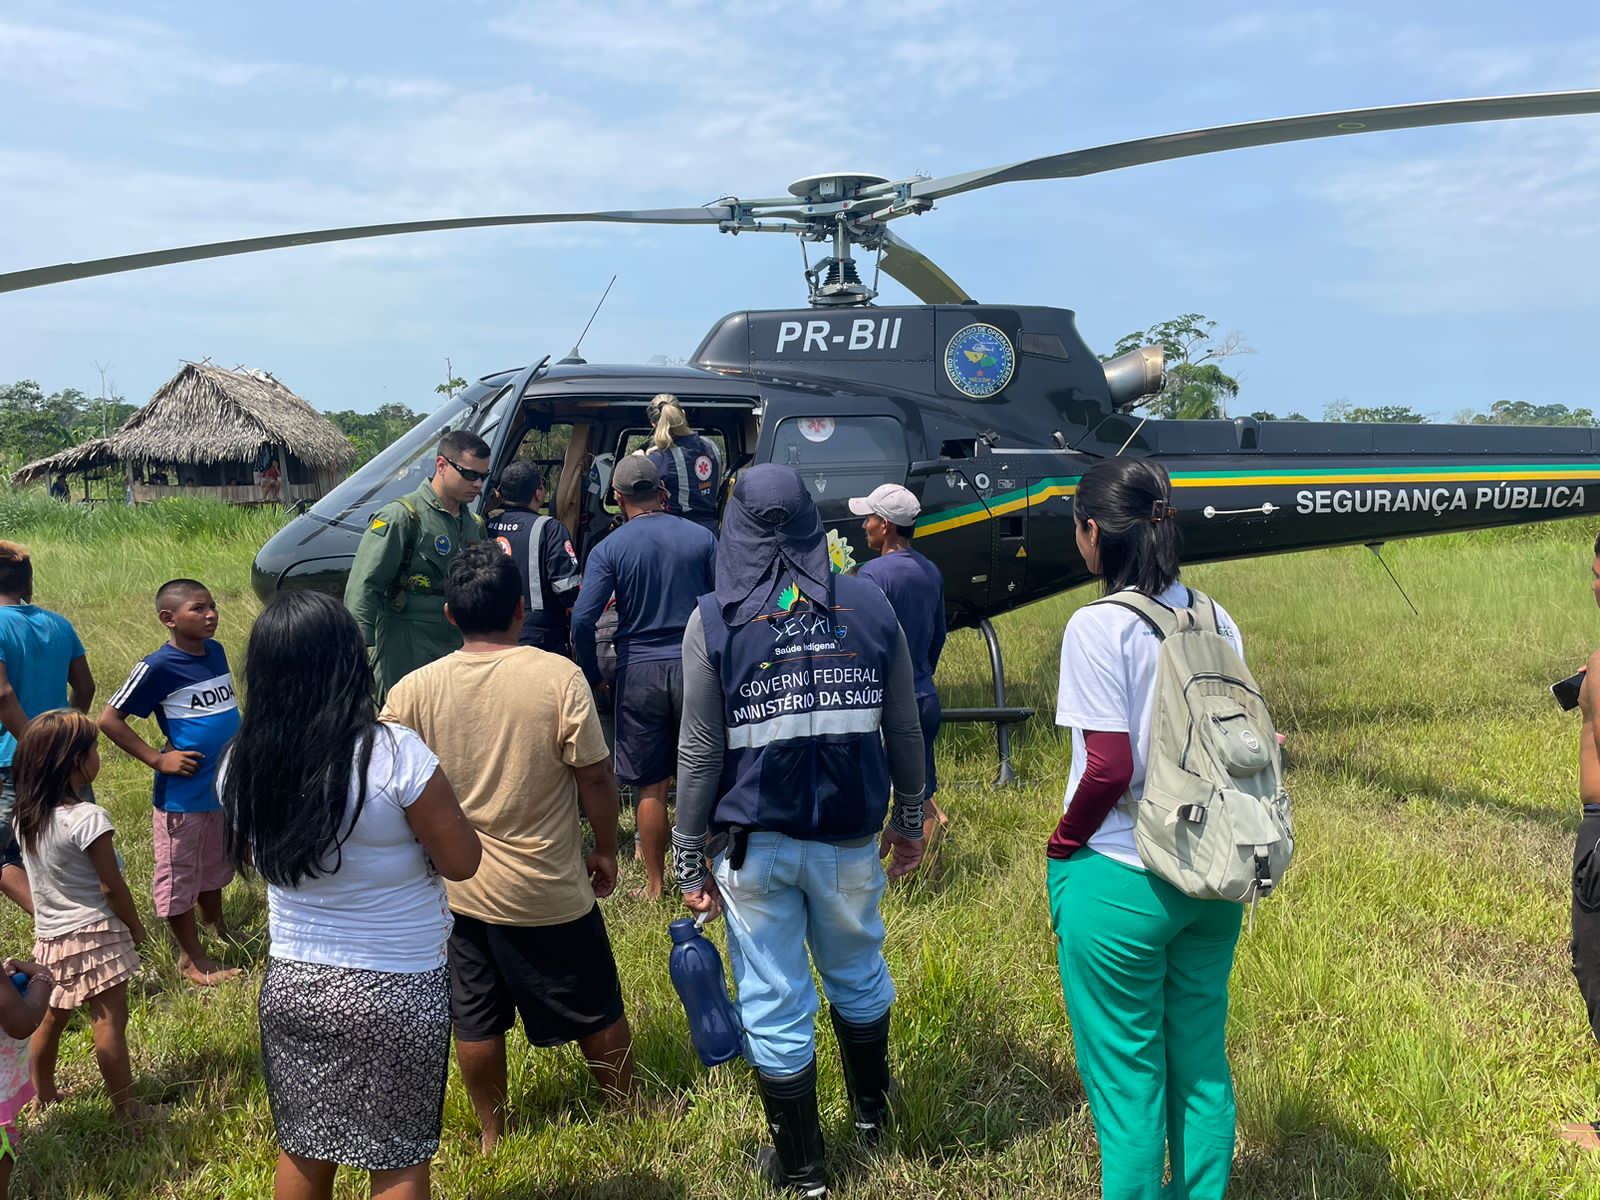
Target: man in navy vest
pixel 799 708
pixel 542 549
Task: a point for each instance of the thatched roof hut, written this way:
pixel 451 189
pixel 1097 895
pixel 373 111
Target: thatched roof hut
pixel 215 430
pixel 206 414
pixel 93 455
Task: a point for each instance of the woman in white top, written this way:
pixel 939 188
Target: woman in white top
pixel 350 823
pixel 1144 967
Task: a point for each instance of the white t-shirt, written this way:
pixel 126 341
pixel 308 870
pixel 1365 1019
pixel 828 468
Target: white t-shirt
pixel 66 887
pixel 384 909
pixel 1108 684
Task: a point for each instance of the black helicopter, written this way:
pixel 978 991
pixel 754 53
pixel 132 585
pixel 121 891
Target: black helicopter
pixel 990 413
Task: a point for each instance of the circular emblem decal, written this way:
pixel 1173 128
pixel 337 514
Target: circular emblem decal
pixel 979 361
pixel 702 468
pixel 442 544
pixel 816 429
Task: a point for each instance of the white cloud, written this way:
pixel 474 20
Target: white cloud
pixel 1511 221
pixel 120 64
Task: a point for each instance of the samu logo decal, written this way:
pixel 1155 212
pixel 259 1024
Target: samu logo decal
pixel 979 361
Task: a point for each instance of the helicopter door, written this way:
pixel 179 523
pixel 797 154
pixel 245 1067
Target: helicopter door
pixel 840 456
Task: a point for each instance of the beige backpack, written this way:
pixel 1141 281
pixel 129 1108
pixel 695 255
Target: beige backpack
pixel 1214 820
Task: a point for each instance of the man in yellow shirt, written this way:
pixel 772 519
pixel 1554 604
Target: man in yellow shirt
pixel 517 734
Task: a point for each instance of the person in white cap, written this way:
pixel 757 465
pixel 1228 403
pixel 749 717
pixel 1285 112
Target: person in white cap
pixel 916 593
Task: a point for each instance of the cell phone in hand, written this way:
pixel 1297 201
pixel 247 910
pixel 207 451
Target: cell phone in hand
pixel 1566 691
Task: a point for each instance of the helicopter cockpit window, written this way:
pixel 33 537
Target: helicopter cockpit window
pixel 548 450
pixel 842 456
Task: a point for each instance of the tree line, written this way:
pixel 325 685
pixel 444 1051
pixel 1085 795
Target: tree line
pixel 34 424
pixel 1197 388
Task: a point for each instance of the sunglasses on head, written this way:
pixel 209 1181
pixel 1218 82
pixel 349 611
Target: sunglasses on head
pixel 467 473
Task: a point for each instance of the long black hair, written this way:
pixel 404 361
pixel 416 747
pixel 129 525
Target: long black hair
pixel 50 750
pixel 1130 500
pixel 308 726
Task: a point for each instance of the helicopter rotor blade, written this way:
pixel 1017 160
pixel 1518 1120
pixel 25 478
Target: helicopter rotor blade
pixel 62 272
pixel 918 273
pixel 1115 156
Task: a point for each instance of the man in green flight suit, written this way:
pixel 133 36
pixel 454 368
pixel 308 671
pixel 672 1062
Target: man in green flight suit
pixel 396 587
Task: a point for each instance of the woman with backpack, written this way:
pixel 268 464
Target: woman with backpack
pixel 1144 966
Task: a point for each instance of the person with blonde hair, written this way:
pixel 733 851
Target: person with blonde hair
pixel 690 466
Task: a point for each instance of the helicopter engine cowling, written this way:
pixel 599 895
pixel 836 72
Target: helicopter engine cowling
pixel 1134 375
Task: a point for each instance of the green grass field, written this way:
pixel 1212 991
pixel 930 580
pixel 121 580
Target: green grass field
pixel 1404 1023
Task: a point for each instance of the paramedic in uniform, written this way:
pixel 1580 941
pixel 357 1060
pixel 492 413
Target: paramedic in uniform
pixel 545 559
pixel 690 465
pixel 799 709
pixel 396 586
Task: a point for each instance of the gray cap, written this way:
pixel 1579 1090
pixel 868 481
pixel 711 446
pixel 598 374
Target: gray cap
pixel 890 501
pixel 636 478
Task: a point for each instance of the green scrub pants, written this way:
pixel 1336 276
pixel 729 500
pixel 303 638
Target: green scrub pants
pixel 1145 972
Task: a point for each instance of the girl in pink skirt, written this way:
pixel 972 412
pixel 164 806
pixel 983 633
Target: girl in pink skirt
pixel 85 926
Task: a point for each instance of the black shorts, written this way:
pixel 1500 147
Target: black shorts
pixel 561 978
pixel 649 710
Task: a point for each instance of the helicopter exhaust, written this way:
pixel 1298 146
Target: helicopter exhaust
pixel 1132 376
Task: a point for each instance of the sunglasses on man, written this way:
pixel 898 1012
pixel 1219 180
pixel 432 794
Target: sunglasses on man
pixel 467 473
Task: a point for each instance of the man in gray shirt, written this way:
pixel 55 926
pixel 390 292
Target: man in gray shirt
pixel 799 710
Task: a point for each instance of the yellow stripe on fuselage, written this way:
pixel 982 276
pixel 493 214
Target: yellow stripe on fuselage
pixel 1016 501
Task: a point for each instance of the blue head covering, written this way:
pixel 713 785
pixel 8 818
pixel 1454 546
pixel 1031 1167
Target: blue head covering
pixel 771 537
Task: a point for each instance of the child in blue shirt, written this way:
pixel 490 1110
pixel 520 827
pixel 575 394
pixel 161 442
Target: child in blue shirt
pixel 188 686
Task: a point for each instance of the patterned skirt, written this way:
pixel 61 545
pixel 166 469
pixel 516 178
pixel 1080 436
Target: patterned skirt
pixel 87 961
pixel 356 1061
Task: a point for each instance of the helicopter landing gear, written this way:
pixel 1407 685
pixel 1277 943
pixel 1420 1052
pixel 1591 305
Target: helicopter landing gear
pixel 1000 715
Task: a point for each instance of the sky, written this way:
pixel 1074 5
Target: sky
pixel 1443 269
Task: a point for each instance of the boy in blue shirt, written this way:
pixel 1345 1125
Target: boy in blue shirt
pixel 41 661
pixel 188 686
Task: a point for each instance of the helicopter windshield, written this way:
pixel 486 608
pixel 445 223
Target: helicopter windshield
pixel 394 471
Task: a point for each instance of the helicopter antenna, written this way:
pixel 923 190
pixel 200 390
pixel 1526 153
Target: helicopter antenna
pixel 572 355
pixel 1131 436
pixel 1377 553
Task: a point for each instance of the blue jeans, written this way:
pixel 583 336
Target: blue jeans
pixel 788 897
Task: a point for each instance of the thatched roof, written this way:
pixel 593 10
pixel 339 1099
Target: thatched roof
pixel 207 414
pixel 90 456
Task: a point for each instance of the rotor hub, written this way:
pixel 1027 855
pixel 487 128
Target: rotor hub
pixel 833 186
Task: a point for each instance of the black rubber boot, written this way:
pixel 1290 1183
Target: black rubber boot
pixel 864 1053
pixel 793 1163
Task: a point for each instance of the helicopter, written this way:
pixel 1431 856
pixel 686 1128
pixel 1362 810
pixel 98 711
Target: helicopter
pixel 990 413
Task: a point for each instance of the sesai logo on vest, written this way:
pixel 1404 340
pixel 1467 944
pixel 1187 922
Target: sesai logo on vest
pixel 797 630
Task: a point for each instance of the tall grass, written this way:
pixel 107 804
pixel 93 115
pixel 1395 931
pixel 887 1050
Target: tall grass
pixel 1404 1023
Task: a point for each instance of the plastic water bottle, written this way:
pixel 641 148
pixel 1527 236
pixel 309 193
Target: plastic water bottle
pixel 697 974
pixel 21 980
